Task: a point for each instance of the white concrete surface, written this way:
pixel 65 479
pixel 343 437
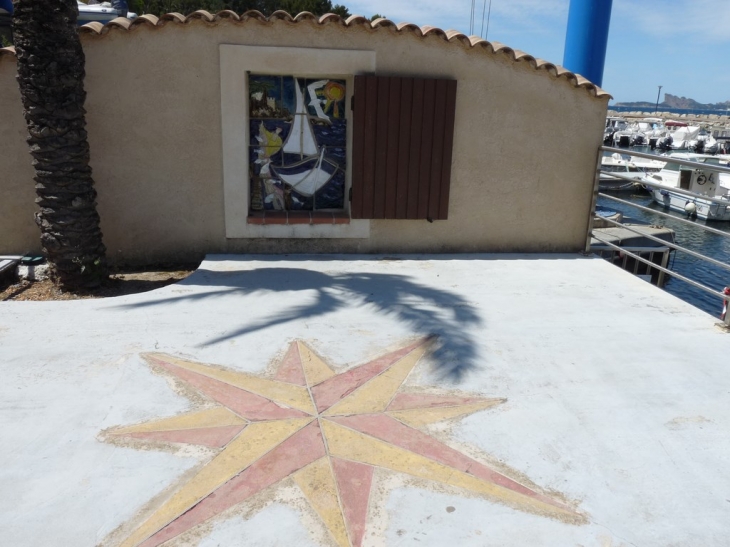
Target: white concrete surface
pixel 617 397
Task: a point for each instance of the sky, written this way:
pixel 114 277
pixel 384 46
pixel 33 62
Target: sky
pixel 682 45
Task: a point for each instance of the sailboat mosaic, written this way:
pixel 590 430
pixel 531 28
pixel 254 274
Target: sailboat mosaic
pixel 298 139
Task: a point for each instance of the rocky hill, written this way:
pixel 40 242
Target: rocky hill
pixel 672 101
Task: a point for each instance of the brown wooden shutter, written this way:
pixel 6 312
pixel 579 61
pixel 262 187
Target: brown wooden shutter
pixel 403 133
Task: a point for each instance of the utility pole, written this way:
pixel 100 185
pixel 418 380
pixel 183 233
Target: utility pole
pixel 656 108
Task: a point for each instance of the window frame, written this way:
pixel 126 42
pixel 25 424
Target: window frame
pixel 236 62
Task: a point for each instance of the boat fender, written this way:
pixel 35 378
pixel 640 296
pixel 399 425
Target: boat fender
pixel 725 291
pixel 690 208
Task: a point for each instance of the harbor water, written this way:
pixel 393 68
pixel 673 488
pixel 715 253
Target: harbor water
pixel 696 239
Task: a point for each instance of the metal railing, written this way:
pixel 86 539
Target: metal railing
pixel 636 252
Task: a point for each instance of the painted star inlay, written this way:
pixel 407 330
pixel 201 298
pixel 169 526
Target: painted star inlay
pixel 326 431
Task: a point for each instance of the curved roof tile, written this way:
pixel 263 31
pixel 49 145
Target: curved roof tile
pixel 148 19
pixel 228 14
pixel 120 22
pixel 174 16
pixel 383 22
pixel 252 14
pixel 411 27
pixel 356 20
pixel 450 36
pixel 204 15
pixel 281 15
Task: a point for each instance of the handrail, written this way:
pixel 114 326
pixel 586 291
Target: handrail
pixel 659 186
pixel 665 270
pixel 668 159
pixel 667 246
pixel 667 215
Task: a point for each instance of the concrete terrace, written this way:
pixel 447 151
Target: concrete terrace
pixel 462 400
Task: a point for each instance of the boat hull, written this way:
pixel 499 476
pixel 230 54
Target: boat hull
pixel 100 14
pixel 308 176
pixel 608 183
pixel 706 210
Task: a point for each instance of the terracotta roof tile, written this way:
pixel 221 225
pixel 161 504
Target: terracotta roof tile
pixel 455 35
pixel 433 31
pixel 120 22
pixel 356 20
pixel 451 36
pixel 228 14
pixel 281 15
pixel 148 19
pixel 203 15
pixel 331 18
pixel 252 14
pixel 405 26
pixel 383 22
pixel 173 16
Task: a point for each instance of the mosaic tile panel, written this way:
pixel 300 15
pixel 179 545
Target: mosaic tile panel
pixel 298 143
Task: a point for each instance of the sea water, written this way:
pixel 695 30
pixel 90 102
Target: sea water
pixel 696 239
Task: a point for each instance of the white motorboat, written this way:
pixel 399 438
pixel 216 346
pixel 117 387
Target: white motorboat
pixel 627 166
pixel 102 13
pixel 619 132
pixel 705 143
pixel 679 136
pixel 652 130
pixel 704 182
pixel 613 125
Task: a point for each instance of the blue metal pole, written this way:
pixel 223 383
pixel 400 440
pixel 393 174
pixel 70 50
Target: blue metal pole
pixel 587 38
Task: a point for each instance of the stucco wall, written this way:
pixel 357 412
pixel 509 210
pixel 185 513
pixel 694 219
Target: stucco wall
pixel 524 149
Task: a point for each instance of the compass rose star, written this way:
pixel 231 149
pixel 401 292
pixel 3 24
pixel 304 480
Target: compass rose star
pixel 326 431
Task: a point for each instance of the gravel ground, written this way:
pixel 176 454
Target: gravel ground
pixel 125 281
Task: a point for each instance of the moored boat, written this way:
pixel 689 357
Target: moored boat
pixel 707 184
pixel 103 12
pixel 626 166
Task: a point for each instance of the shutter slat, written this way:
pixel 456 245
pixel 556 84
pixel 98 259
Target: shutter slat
pixel 429 93
pixel 371 112
pixel 401 192
pixel 381 148
pixel 435 171
pixel 391 170
pixel 403 137
pixel 448 149
pixel 414 154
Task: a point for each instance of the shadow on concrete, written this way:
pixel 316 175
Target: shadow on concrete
pixel 425 309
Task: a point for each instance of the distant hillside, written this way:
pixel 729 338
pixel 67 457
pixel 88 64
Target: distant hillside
pixel 672 101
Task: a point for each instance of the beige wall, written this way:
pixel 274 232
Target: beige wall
pixel 524 149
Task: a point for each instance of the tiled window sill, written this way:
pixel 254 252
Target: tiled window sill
pixel 296 217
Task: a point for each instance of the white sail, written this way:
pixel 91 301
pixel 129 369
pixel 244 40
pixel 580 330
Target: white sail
pixel 301 139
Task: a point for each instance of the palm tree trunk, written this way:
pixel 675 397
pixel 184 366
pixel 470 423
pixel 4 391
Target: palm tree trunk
pixel 51 78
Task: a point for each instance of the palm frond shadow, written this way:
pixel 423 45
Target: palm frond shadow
pixel 425 309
